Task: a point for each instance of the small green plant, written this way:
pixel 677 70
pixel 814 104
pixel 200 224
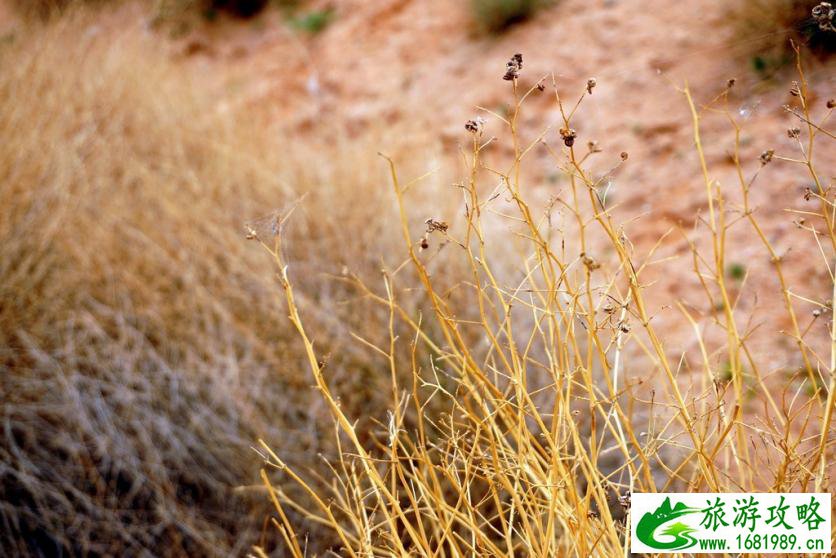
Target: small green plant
pixel 765 65
pixel 726 374
pixel 736 271
pixel 313 22
pixel 495 16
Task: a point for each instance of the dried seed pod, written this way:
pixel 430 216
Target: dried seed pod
pixel 425 243
pixel 475 126
pixel 513 67
pixel 436 225
pixel 624 155
pixel 825 16
pixel 590 263
pixel 793 133
pixel 568 135
pixel 590 85
pixel 625 500
pixel 541 86
pixel 730 83
pixel 795 90
pixel 831 103
pixel 766 156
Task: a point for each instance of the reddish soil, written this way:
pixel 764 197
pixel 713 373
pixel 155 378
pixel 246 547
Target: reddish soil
pixel 420 65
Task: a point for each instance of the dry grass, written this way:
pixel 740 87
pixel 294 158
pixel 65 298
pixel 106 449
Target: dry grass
pixel 479 386
pixel 545 436
pixel 142 351
pixel 42 10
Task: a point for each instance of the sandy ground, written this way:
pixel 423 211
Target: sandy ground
pixel 421 65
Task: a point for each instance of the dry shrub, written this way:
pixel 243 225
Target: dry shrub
pixel 495 16
pixel 142 351
pixel 563 334
pixel 178 10
pixel 767 28
pixel 241 8
pixel 165 9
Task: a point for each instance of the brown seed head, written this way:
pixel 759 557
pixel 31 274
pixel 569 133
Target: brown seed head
pixel 825 16
pixel 590 263
pixel 625 500
pixel 475 126
pixel 624 155
pixel 590 85
pixel 435 225
pixel 793 133
pixel 766 156
pixel 831 103
pixel 568 135
pixel 513 67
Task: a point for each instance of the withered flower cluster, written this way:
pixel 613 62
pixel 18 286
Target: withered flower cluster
pixel 513 67
pixel 475 125
pixel 825 16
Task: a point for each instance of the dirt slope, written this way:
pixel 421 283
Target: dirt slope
pixel 421 65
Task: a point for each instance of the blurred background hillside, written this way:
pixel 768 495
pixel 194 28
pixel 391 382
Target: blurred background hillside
pixel 143 348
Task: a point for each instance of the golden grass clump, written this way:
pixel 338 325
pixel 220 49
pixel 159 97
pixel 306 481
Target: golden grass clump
pixel 129 332
pixel 550 423
pixel 142 354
